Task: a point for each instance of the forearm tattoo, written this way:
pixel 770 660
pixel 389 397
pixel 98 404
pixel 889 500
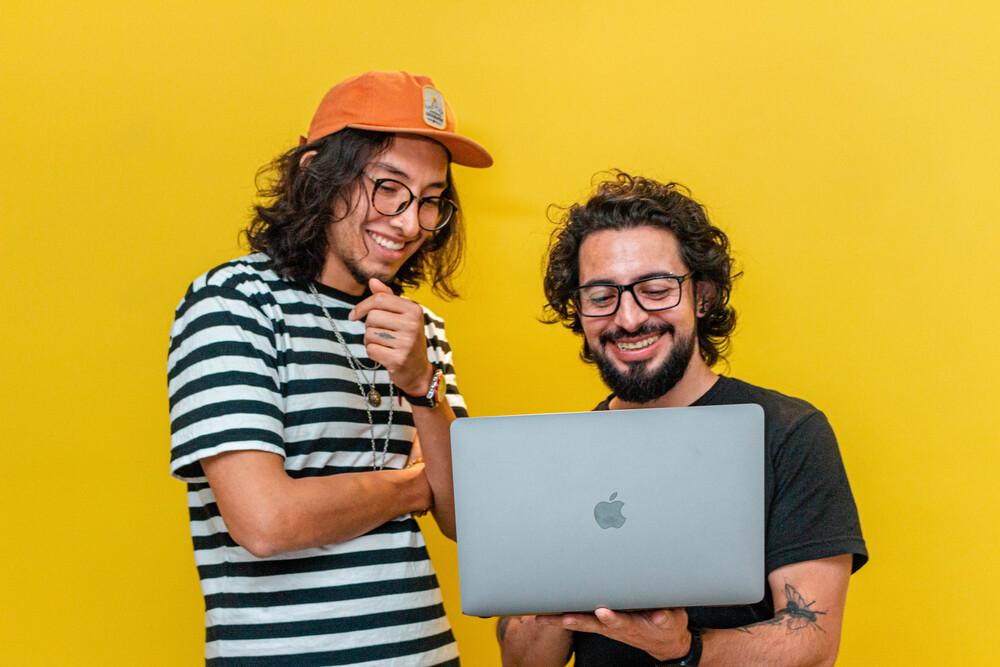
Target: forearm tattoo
pixel 798 615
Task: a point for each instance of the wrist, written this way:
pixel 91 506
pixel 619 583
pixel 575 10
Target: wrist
pixel 420 385
pixel 693 656
pixel 432 393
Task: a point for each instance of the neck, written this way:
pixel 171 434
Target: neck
pixel 339 278
pixel 697 379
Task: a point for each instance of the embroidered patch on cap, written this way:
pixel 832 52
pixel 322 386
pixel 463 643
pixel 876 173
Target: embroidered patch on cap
pixel 434 108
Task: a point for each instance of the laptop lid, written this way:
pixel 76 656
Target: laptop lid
pixel 625 509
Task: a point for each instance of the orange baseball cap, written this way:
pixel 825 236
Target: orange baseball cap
pixel 395 102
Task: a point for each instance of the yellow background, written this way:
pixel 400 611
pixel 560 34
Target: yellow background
pixel 849 149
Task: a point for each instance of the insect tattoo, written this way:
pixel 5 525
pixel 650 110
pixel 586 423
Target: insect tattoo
pixel 797 614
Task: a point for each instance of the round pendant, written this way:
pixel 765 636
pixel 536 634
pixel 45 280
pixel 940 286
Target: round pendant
pixel 373 397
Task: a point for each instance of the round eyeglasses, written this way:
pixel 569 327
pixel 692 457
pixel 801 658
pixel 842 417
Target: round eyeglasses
pixel 651 294
pixel 391 197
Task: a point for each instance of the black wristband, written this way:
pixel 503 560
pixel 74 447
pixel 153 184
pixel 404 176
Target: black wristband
pixel 693 656
pixel 432 398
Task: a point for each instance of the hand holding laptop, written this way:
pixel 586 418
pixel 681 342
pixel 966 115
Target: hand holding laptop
pixel 663 633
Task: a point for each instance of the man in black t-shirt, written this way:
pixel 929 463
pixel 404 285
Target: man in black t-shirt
pixel 642 274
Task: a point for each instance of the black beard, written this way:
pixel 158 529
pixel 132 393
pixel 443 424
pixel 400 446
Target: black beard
pixel 639 384
pixel 360 277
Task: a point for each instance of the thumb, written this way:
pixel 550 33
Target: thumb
pixel 377 286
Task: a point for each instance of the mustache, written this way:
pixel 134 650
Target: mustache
pixel 648 328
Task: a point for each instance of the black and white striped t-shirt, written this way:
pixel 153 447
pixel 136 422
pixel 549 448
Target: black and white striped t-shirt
pixel 254 364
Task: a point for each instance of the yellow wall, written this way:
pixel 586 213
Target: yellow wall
pixel 850 149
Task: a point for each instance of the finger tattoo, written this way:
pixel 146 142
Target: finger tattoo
pixel 385 334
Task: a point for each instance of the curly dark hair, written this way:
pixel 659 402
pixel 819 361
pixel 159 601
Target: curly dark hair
pixel 290 227
pixel 626 202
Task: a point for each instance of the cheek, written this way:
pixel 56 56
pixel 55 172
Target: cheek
pixel 344 233
pixel 591 331
pixel 348 223
pixel 689 324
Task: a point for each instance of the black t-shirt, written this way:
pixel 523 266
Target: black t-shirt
pixel 809 509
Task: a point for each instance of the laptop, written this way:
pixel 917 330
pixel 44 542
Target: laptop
pixel 625 509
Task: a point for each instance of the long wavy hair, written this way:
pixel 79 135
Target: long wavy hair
pixel 299 202
pixel 627 202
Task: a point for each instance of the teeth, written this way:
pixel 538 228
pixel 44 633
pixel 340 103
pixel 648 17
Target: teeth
pixel 639 344
pixel 386 243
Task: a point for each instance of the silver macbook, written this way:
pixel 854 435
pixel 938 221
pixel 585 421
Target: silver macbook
pixel 625 509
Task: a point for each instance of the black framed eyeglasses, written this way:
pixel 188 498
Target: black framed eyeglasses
pixel 652 294
pixel 391 197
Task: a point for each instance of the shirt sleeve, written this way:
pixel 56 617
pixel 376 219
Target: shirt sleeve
pixel 813 514
pixel 222 380
pixel 439 353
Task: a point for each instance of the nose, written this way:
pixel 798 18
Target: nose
pixel 407 222
pixel 630 315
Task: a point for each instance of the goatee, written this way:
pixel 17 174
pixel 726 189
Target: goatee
pixel 641 384
pixel 362 277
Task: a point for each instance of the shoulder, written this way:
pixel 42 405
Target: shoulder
pixel 250 274
pixel 244 293
pixel 784 413
pixel 248 280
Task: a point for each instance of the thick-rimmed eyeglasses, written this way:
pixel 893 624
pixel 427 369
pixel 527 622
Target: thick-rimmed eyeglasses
pixel 651 294
pixel 391 197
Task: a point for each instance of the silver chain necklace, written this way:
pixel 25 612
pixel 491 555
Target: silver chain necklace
pixel 372 398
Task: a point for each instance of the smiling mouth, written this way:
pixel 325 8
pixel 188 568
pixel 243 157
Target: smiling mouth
pixel 626 346
pixel 386 243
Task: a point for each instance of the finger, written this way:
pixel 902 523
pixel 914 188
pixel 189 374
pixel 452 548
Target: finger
pixel 660 618
pixel 381 354
pixel 380 338
pixel 380 319
pixel 391 358
pixel 377 286
pixel 382 301
pixel 609 618
pixel 583 623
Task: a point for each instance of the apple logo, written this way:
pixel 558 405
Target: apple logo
pixel 609 514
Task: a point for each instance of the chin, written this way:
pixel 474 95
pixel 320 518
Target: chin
pixel 362 274
pixel 648 379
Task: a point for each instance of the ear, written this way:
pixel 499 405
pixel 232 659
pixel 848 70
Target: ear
pixel 704 295
pixel 306 159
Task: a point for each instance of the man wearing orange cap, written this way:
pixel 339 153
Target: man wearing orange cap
pixel 310 402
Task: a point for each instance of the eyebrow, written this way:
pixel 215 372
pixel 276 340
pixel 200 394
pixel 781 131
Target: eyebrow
pixel 645 276
pixel 396 171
